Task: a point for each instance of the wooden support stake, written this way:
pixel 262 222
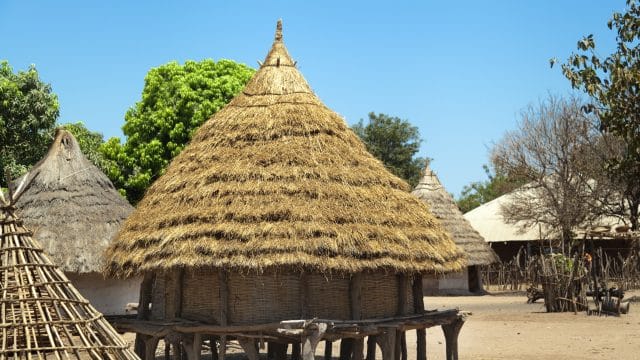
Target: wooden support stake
pixel 403 290
pixel 150 348
pixel 144 299
pixel 309 343
pixel 346 349
pixel 371 348
pixel 167 350
pixel 353 348
pixel 295 351
pixel 387 342
pixel 197 346
pixel 358 349
pixel 249 347
pixel 178 277
pixel 223 281
pixel 279 350
pixel 328 350
pixel 451 332
pixel 418 306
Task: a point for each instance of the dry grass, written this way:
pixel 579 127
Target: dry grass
pixel 276 179
pixel 444 208
pixel 72 207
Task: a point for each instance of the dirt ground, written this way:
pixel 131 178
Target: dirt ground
pixel 506 327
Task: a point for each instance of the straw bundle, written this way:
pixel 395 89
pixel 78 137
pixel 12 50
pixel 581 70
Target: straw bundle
pixel 444 208
pixel 277 180
pixel 71 205
pixel 42 314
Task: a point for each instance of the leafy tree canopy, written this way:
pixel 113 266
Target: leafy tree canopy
pixel 477 193
pixel 613 82
pixel 28 113
pixel 395 142
pixel 176 100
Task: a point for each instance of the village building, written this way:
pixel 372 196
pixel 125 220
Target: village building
pixel 275 225
pixel 74 211
pixel 478 252
pixel 43 316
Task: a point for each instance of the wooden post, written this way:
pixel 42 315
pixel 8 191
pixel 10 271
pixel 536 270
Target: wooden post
pixel 309 343
pixel 328 350
pixel 150 348
pixel 371 348
pixel 387 342
pixel 223 281
pixel 401 339
pixel 279 350
pixel 451 332
pixel 418 307
pixel 295 351
pixel 353 348
pixel 249 347
pixel 178 277
pixel 167 349
pixel 197 346
pixel 146 290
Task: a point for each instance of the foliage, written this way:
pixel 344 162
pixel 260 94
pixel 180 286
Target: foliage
pixel 613 82
pixel 90 143
pixel 395 142
pixel 477 193
pixel 176 100
pixel 28 113
pixel 554 151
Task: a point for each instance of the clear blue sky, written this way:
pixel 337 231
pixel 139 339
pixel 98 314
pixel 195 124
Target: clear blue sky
pixel 461 71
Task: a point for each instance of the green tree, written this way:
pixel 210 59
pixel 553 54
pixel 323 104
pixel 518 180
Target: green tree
pixel 176 100
pixel 28 113
pixel 477 193
pixel 90 143
pixel 395 142
pixel 613 83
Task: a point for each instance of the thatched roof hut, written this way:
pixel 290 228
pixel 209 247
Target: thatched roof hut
pixel 478 252
pixel 74 211
pixel 444 208
pixel 42 314
pixel 273 207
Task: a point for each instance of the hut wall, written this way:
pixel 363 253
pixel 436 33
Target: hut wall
pixel 456 283
pixel 108 296
pixel 273 297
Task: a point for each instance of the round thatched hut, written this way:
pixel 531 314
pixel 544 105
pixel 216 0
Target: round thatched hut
pixel 275 211
pixel 478 252
pixel 42 314
pixel 74 211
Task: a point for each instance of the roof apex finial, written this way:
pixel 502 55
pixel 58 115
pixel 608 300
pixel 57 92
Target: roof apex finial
pixel 279 30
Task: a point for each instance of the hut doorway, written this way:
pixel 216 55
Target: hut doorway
pixel 475 284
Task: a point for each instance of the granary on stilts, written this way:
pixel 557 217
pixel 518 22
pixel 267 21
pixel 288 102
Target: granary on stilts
pixel 274 224
pixel 478 252
pixel 74 211
pixel 43 316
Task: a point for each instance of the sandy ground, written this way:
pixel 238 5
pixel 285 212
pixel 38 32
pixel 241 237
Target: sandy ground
pixel 505 327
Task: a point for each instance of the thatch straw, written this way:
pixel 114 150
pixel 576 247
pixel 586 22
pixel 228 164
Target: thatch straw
pixel 71 205
pixel 444 208
pixel 276 179
pixel 42 314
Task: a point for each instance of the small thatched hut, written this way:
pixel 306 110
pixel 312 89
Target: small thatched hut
pixel 275 211
pixel 42 314
pixel 74 211
pixel 444 208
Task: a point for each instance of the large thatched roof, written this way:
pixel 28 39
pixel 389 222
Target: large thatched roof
pixel 72 207
pixel 42 314
pixel 277 180
pixel 442 205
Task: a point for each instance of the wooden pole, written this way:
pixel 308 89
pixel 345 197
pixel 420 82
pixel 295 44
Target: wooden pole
pixel 418 307
pixel 401 339
pixel 451 332
pixel 354 346
pixel 328 350
pixel 146 289
pixel 371 348
pixel 223 281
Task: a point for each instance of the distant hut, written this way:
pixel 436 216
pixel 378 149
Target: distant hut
pixel 74 211
pixel 444 208
pixel 275 211
pixel 43 316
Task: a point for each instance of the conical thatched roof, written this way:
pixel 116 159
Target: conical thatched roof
pixel 71 205
pixel 43 315
pixel 276 179
pixel 442 205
